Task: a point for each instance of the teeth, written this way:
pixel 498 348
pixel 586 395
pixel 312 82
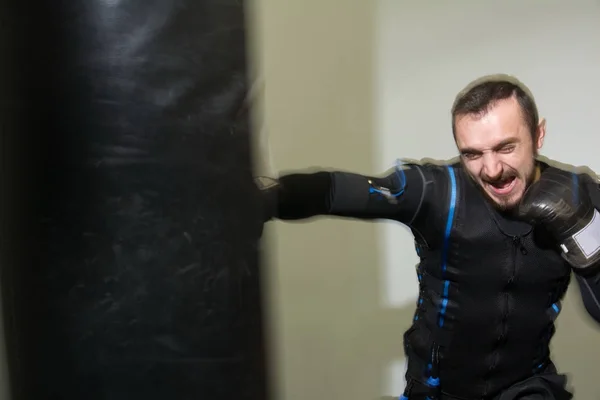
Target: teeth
pixel 504 182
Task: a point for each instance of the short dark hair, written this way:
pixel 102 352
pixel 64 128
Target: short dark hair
pixel 480 96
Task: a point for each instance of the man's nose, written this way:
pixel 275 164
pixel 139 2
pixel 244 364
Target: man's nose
pixel 492 167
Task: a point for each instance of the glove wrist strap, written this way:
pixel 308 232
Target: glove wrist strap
pixel 582 249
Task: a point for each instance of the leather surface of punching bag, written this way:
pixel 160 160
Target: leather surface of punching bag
pixel 130 220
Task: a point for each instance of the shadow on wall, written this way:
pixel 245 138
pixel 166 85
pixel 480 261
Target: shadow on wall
pixel 333 338
pixel 330 336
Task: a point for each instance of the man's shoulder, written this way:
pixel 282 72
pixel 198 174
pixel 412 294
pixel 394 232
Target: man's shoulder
pixel 431 163
pixel 582 171
pixel 438 176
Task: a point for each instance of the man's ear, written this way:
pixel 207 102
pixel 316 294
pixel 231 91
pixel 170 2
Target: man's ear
pixel 540 133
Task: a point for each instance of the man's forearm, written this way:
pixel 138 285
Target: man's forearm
pixel 301 196
pixel 396 195
pixel 589 286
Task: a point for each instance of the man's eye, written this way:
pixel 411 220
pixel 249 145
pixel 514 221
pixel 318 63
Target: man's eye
pixel 470 156
pixel 507 149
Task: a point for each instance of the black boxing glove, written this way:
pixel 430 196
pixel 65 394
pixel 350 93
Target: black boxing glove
pixel 296 196
pixel 561 204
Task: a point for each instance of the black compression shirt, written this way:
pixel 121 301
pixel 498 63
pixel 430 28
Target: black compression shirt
pixel 347 194
pixel 344 194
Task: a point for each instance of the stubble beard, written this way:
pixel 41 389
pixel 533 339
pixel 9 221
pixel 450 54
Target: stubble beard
pixel 508 205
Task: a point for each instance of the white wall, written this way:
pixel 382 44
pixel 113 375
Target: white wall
pixel 425 54
pixel 330 338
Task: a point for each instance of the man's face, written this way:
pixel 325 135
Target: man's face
pixel 498 151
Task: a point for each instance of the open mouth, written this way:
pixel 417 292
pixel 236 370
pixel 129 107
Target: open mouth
pixel 504 186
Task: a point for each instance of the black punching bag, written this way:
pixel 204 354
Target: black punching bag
pixel 129 216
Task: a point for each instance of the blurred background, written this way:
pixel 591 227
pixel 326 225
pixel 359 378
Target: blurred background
pixel 354 85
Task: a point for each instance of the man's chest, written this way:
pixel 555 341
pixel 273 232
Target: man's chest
pixel 483 246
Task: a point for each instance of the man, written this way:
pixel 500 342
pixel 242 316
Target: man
pixel 498 234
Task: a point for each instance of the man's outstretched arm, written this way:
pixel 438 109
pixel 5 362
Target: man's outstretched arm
pixel 396 195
